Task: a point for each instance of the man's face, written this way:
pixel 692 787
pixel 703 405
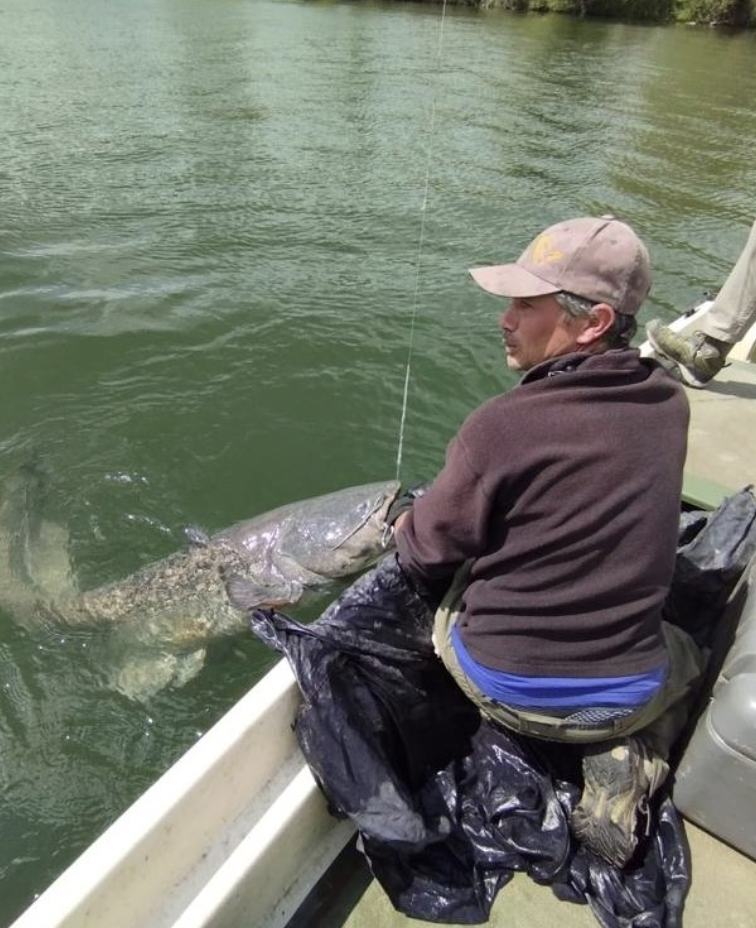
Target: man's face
pixel 537 328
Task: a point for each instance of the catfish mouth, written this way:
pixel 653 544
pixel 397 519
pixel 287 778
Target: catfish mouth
pixel 376 516
pixel 381 511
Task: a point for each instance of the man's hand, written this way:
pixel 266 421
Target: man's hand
pixel 399 509
pixel 400 520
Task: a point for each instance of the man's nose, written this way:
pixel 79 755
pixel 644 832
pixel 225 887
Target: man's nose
pixel 506 319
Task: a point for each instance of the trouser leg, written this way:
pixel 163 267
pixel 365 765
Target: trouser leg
pixel 734 308
pixel 668 712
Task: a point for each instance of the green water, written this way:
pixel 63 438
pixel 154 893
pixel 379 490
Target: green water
pixel 223 224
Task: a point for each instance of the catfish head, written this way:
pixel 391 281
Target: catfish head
pixel 310 542
pixel 340 533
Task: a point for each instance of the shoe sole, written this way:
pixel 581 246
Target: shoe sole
pixel 614 792
pixel 606 817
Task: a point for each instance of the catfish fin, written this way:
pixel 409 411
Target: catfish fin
pixel 246 594
pixel 21 518
pixel 196 537
pixel 142 677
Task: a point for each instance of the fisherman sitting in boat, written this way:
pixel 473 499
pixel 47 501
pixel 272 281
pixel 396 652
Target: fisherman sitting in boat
pixel 557 515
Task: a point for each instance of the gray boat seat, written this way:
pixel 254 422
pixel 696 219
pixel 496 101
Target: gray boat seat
pixel 715 782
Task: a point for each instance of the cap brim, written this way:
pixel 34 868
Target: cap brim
pixel 511 280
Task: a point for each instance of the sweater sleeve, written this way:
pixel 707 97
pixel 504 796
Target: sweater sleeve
pixel 449 523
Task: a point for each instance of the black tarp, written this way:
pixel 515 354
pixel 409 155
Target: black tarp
pixel 449 806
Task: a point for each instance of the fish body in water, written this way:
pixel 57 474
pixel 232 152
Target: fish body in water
pixel 281 555
pixel 163 615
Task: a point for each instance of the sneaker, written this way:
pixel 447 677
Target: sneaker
pixel 619 779
pixel 698 357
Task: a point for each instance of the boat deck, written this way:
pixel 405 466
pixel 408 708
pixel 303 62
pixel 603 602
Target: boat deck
pixel 721 447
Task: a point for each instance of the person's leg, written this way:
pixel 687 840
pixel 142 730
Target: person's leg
pixel 620 773
pixel 668 712
pixel 700 356
pixel 620 776
pixel 734 307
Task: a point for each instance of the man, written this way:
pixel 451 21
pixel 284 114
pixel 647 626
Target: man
pixel 700 357
pixel 558 511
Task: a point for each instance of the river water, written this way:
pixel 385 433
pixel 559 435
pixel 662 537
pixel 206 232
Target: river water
pixel 227 226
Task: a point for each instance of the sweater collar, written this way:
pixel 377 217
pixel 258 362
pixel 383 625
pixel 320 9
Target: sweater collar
pixel 616 359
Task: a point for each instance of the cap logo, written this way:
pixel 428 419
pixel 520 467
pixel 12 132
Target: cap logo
pixel 542 251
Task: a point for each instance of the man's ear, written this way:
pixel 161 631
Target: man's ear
pixel 598 321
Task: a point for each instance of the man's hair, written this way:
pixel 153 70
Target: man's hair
pixel 618 335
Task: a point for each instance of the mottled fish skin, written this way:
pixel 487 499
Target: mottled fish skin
pixel 282 554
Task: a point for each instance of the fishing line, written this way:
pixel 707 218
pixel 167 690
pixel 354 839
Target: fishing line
pixel 421 237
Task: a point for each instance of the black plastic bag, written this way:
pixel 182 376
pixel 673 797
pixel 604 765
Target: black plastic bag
pixel 380 713
pixel 714 548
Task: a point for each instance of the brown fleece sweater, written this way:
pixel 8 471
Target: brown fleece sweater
pixel 565 493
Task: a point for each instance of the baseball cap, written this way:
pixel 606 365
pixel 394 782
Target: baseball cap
pixel 600 259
